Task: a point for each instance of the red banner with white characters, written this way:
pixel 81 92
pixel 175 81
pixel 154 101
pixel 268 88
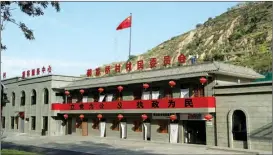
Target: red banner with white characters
pixel 196 102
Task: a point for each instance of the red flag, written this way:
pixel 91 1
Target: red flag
pixel 125 24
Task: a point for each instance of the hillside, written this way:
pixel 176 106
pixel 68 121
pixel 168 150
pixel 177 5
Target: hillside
pixel 241 36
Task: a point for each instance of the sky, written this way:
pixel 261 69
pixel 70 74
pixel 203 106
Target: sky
pixel 83 34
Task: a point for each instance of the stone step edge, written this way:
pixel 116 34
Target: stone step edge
pixel 246 151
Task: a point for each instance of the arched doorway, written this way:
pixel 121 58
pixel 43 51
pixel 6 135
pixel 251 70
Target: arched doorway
pixel 239 129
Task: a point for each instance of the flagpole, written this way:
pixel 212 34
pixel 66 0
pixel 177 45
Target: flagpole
pixel 130 36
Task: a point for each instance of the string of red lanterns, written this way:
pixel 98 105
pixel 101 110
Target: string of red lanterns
pixel 145 86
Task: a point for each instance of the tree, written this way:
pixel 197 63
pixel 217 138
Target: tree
pixel 198 25
pixel 31 8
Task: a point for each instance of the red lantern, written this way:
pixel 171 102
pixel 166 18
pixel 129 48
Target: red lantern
pixel 144 117
pixel 81 91
pixel 172 83
pixel 100 90
pixel 67 92
pixel 65 116
pixel 21 114
pixel 146 86
pixel 203 80
pixel 120 88
pixel 208 117
pixel 99 116
pixel 173 117
pixel 81 116
pixel 120 116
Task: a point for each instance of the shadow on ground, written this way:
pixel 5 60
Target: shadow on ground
pixel 96 149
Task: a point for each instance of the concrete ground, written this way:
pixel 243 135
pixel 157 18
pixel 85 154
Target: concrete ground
pixel 102 146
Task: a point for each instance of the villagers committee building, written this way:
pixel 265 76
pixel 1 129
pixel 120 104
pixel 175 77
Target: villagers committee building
pixel 212 104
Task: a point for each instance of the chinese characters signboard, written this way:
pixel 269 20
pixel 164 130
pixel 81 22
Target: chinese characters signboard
pixel 36 72
pixel 153 63
pixel 197 102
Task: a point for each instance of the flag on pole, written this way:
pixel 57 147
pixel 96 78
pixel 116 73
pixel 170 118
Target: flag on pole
pixel 125 23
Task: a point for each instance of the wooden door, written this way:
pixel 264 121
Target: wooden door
pixel 84 129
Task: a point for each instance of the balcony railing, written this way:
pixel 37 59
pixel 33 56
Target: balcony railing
pixel 177 103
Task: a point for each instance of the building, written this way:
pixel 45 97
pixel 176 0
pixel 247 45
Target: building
pixel 210 104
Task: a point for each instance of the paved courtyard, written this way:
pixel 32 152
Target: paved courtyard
pixel 106 146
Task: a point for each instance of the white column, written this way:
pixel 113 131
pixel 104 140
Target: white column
pixel 174 127
pixel 123 127
pixel 102 127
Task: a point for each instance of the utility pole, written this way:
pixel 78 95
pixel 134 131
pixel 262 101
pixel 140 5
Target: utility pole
pixel 1 73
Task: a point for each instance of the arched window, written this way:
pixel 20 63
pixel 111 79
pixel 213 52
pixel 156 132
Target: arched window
pixel 33 97
pixel 46 96
pixel 239 129
pixel 23 98
pixel 13 99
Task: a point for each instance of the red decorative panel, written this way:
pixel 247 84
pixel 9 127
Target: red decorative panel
pixel 107 69
pixel 97 71
pixel 153 62
pixel 181 58
pixel 117 68
pixel 33 72
pixel 129 66
pixel 167 60
pixel 140 64
pixel 89 73
pixel 38 71
pixel 196 102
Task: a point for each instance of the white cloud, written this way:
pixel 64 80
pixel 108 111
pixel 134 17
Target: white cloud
pixel 14 66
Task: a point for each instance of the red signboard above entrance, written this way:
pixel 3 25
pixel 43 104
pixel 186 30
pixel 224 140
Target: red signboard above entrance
pixel 196 102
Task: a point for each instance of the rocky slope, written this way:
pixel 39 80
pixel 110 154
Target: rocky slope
pixel 242 36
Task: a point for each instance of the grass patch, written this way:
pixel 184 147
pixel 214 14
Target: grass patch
pixel 16 152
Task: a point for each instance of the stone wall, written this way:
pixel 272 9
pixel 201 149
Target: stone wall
pixel 255 100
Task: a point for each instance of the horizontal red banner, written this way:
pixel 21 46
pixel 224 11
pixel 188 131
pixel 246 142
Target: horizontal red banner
pixel 196 102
